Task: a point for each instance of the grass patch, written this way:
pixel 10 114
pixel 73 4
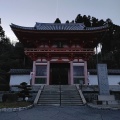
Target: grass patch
pixel 14 104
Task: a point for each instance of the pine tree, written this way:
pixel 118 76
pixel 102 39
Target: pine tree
pixel 2 33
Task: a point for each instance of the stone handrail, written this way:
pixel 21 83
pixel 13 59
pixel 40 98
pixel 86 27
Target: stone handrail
pixel 81 94
pixel 38 95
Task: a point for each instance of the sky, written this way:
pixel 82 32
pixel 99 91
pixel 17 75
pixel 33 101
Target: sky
pixel 28 12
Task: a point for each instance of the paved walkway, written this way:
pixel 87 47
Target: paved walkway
pixel 62 113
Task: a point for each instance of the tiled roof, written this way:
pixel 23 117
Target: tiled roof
pixel 59 26
pixel 91 71
pixel 20 71
pixel 110 71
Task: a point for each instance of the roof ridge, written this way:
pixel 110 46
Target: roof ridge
pixel 60 23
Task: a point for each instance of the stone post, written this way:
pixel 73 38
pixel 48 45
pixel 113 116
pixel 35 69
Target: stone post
pixel 103 79
pixel 48 72
pixel 104 95
pixel 71 72
pixel 34 73
pixel 85 73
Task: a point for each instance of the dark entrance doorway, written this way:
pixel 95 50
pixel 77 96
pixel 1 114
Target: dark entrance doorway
pixel 59 73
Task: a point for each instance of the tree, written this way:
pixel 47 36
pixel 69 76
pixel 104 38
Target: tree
pixel 2 33
pixel 11 57
pixel 79 19
pixel 72 21
pixel 57 20
pixel 94 22
pixel 87 21
pixel 101 22
pixel 107 41
pixel 24 61
pixel 67 21
pixel 5 47
pixel 110 40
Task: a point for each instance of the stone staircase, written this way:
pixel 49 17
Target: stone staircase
pixel 70 96
pixel 50 95
pixel 60 95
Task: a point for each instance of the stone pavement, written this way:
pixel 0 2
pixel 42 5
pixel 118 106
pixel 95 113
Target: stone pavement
pixel 62 113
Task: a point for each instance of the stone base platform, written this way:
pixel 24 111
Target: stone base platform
pixel 106 100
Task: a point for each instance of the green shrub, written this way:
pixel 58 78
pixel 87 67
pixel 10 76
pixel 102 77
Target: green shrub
pixel 9 97
pixel 23 84
pixel 25 90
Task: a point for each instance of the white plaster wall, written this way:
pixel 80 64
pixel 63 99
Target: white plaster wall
pixel 78 64
pixel 66 60
pixel 17 79
pixel 112 79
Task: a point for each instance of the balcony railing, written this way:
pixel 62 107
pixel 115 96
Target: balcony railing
pixel 50 50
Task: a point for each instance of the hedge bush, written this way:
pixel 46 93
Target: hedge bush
pixel 4 87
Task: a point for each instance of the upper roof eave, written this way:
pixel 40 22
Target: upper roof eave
pixel 59 27
pixel 21 27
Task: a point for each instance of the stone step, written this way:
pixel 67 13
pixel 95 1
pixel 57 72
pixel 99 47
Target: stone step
pixel 43 104
pixel 49 96
pixel 71 104
pixel 49 103
pixel 50 93
pixel 69 94
pixel 48 100
pixel 73 101
pixel 40 102
pixel 59 99
pixel 62 103
pixel 70 99
pixel 62 97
